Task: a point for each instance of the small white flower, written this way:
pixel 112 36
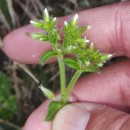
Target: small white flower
pixel 85 38
pixel 54 19
pixel 41 39
pixel 110 55
pixel 32 22
pixel 88 27
pixel 100 65
pixel 87 63
pixel 38 24
pixel 71 48
pixel 46 14
pixel 46 11
pixel 65 23
pixel 47 92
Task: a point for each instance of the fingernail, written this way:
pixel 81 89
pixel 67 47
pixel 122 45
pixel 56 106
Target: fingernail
pixel 71 118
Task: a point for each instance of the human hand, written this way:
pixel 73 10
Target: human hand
pixel 102 101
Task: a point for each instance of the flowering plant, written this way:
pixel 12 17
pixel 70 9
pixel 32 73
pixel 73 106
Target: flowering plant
pixel 84 58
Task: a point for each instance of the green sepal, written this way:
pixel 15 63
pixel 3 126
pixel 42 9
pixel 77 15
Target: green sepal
pixel 91 70
pixel 53 108
pixel 91 48
pixel 38 36
pixel 71 63
pixel 74 20
pixel 81 30
pixel 52 22
pixel 47 55
pixel 105 57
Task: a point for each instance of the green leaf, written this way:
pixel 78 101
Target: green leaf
pixel 54 107
pixel 71 63
pixel 8 104
pixel 47 55
pixel 5 10
pixel 48 93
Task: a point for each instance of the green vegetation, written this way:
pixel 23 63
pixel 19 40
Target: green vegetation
pixel 85 57
pixel 8 105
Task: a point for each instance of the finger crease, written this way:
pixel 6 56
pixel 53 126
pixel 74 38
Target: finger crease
pixel 124 124
pixel 119 31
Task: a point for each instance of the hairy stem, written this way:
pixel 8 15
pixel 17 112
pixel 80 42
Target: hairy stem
pixel 71 85
pixel 62 75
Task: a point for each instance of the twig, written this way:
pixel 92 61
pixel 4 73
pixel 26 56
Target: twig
pixel 28 72
pixel 9 124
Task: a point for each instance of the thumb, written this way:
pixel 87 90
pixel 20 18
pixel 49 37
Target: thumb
pixel 89 116
pixel 71 117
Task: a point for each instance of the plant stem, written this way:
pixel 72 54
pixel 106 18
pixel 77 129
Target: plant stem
pixel 71 85
pixel 62 75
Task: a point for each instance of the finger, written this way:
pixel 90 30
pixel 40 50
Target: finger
pixel 88 116
pixel 77 119
pixel 111 86
pixel 18 46
pixel 36 119
pixel 110 33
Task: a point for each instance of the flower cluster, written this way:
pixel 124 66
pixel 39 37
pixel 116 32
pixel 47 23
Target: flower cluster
pixel 86 58
pixel 83 56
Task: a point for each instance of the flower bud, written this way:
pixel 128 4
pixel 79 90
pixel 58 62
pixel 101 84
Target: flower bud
pixel 37 24
pixel 49 94
pixel 46 15
pixel 75 19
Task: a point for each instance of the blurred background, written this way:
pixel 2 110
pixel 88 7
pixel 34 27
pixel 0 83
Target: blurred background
pixel 19 93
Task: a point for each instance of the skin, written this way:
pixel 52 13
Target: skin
pixel 101 101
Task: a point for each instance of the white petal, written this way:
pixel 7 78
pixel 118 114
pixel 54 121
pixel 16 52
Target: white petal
pixel 32 22
pixel 75 18
pixel 65 23
pixel 88 27
pixel 110 55
pixel 46 11
pixel 54 19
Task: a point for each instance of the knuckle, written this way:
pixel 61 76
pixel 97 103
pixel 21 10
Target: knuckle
pixel 120 22
pixel 124 85
pixel 109 119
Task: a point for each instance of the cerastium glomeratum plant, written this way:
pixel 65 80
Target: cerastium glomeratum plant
pixel 83 56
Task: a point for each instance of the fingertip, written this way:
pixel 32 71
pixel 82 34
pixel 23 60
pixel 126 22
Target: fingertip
pixel 19 47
